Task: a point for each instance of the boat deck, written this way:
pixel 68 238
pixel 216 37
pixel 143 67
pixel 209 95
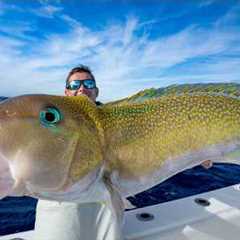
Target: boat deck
pixel 213 215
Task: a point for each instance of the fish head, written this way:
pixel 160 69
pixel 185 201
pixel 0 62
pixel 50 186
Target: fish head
pixel 47 143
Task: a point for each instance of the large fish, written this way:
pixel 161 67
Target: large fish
pixel 67 148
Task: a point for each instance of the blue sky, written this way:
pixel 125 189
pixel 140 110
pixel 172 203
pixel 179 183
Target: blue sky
pixel 129 45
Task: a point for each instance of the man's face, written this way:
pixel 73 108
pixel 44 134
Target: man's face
pixel 91 93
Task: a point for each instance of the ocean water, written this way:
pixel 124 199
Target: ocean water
pixel 18 213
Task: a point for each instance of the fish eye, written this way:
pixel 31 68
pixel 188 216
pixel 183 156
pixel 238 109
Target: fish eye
pixel 50 116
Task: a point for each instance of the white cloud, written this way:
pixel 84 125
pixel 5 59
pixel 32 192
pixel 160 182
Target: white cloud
pixel 47 11
pixel 7 7
pixel 230 19
pixel 71 21
pixel 19 30
pixel 49 1
pixel 123 57
pixel 206 3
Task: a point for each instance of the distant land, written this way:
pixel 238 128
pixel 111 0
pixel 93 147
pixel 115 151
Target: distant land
pixel 2 98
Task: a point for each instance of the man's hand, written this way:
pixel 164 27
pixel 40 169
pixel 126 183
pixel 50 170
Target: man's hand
pixel 207 164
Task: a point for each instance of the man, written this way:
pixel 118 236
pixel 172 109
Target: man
pixel 80 80
pixel 73 221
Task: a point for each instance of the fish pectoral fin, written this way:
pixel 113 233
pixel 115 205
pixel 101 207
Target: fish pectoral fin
pixel 7 181
pixel 6 186
pixel 116 201
pixel 19 189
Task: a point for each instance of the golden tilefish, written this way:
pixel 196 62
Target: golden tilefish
pixel 61 148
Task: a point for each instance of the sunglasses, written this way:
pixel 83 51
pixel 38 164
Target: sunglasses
pixel 76 84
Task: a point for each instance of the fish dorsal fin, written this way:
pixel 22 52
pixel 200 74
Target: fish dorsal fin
pixel 227 89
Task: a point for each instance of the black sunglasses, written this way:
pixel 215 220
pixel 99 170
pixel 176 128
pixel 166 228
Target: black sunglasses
pixel 76 84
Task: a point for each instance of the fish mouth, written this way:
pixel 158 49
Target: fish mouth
pixel 7 182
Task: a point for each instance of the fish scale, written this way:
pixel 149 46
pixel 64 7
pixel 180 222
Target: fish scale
pixel 174 125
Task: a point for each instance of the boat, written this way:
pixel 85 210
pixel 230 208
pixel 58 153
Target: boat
pixel 213 215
